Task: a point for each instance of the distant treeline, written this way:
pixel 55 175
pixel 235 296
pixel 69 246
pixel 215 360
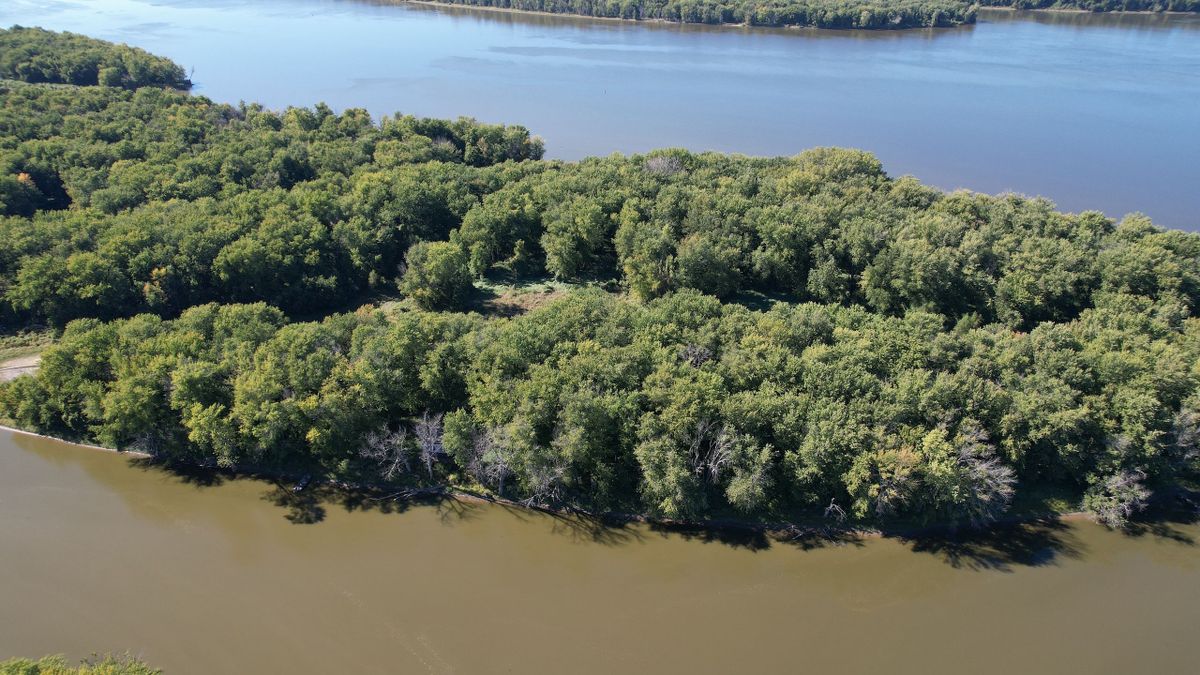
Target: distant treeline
pixel 37 55
pixel 844 14
pixel 774 335
pixel 871 14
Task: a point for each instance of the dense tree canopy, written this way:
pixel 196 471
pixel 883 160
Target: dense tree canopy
pixel 157 200
pixel 680 407
pixel 776 334
pixel 436 275
pixel 37 55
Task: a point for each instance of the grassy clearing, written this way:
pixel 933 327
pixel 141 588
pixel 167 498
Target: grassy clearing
pixel 25 343
pixel 500 297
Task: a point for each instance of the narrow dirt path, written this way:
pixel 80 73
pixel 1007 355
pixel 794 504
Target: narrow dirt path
pixel 21 365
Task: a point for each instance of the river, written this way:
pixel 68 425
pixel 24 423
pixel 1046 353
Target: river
pixel 1094 112
pixel 98 553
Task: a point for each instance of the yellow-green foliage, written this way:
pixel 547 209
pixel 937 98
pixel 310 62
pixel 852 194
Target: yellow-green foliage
pixel 58 665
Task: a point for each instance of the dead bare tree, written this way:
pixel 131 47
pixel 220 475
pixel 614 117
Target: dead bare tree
pixel 428 431
pixel 990 483
pixel 894 484
pixel 444 144
pixel 491 459
pixel 1114 501
pixel 1186 432
pixel 499 469
pixel 695 355
pixel 150 442
pixel 545 484
pixel 664 165
pixel 481 445
pixel 387 449
pixel 834 512
pixel 890 495
pixel 711 449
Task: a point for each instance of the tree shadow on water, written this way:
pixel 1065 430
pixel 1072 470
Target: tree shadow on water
pixel 747 538
pixel 449 508
pixel 303 508
pixel 188 474
pixel 579 526
pixel 1036 543
pixel 808 539
pixel 1165 519
pixel 760 538
pixel 308 506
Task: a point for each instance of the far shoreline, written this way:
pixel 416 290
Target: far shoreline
pixel 793 28
pixel 666 22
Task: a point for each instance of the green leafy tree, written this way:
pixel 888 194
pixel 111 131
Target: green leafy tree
pixel 437 275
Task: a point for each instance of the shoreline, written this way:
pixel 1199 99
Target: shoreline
pixel 666 22
pixel 437 4
pixel 86 446
pixel 781 531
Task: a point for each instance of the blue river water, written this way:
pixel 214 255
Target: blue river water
pixel 1091 111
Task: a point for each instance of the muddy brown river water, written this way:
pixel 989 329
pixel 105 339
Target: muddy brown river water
pixel 98 553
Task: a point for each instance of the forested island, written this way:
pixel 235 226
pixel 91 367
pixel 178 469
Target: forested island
pixel 36 55
pixel 841 14
pixel 685 335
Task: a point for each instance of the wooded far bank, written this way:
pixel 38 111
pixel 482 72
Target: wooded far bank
pixel 837 14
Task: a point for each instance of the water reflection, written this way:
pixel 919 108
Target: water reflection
pixel 1125 21
pixel 1042 542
